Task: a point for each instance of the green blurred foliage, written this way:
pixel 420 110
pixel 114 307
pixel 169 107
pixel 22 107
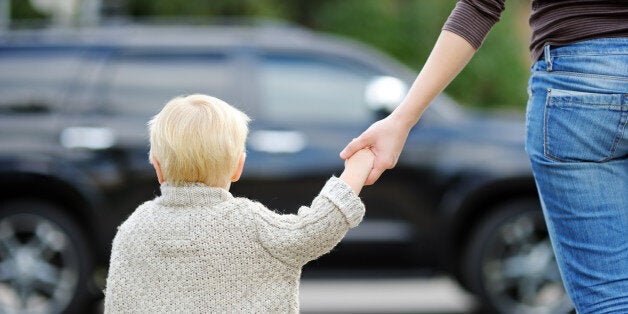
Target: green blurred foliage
pixel 495 78
pixel 22 9
pixel 203 8
pixel 406 29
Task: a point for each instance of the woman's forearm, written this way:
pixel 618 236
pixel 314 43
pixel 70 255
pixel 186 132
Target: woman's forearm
pixel 450 55
pixel 386 137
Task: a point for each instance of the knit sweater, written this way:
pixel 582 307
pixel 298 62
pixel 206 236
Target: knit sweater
pixel 198 249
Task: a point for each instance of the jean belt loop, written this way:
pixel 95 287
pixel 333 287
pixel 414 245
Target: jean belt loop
pixel 548 58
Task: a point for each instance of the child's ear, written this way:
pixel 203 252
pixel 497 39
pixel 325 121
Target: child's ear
pixel 157 166
pixel 238 171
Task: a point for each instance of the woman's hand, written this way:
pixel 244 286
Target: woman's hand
pixel 386 139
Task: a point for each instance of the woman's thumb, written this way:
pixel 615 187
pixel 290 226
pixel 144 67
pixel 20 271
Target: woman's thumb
pixel 353 146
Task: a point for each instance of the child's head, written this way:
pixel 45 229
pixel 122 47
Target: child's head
pixel 198 138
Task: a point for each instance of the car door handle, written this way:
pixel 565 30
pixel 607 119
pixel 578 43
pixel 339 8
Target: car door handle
pixel 277 142
pixel 93 138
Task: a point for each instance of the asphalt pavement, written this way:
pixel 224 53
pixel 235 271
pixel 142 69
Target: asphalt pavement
pixel 437 295
pixel 410 295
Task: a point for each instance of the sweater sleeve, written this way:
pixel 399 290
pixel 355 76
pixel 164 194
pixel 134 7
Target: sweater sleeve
pixel 313 231
pixel 473 19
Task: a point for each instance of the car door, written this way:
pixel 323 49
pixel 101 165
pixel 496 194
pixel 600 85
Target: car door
pixel 34 83
pixel 135 83
pixel 308 106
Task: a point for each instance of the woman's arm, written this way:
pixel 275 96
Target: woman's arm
pixel 386 137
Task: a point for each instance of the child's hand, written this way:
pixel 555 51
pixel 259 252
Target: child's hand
pixel 357 169
pixel 361 161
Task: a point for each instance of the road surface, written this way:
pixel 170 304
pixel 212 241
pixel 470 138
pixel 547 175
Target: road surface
pixel 438 295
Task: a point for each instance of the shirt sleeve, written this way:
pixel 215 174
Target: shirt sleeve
pixel 473 19
pixel 314 230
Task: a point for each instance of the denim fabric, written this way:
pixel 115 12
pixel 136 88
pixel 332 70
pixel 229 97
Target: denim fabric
pixel 577 140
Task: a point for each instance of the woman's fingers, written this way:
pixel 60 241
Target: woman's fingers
pixel 355 145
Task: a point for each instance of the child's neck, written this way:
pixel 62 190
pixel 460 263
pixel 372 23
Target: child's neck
pixel 226 185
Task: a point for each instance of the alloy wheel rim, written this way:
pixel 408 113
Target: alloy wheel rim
pixel 520 270
pixel 39 268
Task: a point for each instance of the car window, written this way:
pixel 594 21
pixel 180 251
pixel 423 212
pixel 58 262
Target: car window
pixel 140 84
pixel 35 80
pixel 313 88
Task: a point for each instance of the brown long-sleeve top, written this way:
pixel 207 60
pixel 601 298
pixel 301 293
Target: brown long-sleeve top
pixel 553 22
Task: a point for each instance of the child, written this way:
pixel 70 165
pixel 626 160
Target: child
pixel 196 248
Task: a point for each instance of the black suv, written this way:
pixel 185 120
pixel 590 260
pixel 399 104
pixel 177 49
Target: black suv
pixel 73 158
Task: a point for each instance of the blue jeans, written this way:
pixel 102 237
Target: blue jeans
pixel 577 140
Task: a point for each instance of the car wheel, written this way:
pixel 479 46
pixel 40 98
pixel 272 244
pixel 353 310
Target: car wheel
pixel 44 261
pixel 510 264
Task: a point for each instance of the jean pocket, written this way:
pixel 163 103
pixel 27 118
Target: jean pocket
pixel 584 127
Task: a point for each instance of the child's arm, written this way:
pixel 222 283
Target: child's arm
pixel 315 230
pixel 357 169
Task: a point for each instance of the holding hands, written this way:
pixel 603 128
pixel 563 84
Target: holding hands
pixel 357 168
pixel 386 139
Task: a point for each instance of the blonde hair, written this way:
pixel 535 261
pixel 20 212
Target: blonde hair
pixel 198 138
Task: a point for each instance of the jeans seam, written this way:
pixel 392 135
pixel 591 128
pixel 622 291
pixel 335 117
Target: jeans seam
pixel 546 141
pixel 577 54
pixel 621 125
pixel 620 106
pixel 567 73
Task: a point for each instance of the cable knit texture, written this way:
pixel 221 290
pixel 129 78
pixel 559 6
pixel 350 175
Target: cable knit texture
pixel 198 249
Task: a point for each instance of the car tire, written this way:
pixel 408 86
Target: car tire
pixel 509 262
pixel 45 264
